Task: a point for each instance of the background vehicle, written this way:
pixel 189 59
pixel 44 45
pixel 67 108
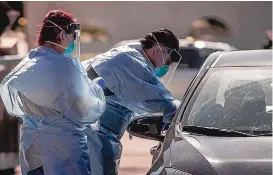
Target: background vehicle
pixel 224 124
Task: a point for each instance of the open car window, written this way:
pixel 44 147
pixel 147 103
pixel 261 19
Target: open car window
pixel 237 99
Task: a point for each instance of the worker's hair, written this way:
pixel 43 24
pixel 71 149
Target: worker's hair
pixel 49 31
pixel 163 36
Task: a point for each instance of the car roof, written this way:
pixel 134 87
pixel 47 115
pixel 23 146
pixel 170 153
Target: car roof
pixel 246 58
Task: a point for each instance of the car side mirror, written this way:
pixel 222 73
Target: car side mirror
pixel 147 127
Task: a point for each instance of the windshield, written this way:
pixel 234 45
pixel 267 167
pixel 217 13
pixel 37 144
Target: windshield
pixel 238 99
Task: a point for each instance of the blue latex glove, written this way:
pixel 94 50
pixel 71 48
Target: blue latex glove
pixel 100 81
pixel 164 126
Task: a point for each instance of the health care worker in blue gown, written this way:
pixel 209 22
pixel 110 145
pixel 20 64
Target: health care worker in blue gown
pixel 136 80
pixel 51 91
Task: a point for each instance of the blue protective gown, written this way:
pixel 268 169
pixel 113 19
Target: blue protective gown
pixel 136 90
pixel 56 100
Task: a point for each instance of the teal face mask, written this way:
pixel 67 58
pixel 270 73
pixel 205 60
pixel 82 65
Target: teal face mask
pixel 69 49
pixel 161 71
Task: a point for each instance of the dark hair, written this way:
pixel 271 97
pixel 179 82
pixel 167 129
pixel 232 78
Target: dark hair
pixel 49 31
pixel 163 36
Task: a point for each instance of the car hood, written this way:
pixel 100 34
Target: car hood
pixel 197 154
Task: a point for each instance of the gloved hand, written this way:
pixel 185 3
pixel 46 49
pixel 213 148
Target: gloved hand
pixel 177 103
pixel 100 81
pixel 164 126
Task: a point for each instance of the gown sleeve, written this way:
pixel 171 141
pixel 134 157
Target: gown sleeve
pixel 133 82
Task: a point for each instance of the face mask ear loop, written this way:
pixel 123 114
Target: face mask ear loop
pixel 55 44
pixel 68 37
pixel 147 58
pixel 54 24
pixel 159 48
pixel 61 30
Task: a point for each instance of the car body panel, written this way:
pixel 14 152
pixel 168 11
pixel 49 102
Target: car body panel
pixel 221 155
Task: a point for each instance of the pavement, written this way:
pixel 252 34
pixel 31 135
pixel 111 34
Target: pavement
pixel 136 158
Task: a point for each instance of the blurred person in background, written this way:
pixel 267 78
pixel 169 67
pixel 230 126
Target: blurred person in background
pixel 209 28
pixel 9 125
pixel 12 38
pixel 9 136
pixel 10 12
pixel 50 90
pixel 132 78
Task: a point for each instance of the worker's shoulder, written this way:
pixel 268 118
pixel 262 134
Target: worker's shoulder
pixel 127 54
pixel 52 61
pixel 116 58
pixel 44 54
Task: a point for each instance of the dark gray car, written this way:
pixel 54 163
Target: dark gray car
pixel 224 124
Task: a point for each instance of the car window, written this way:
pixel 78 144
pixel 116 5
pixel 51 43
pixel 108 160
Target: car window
pixel 188 53
pixel 234 99
pixel 205 52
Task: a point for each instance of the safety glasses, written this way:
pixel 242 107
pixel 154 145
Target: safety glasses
pixel 174 55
